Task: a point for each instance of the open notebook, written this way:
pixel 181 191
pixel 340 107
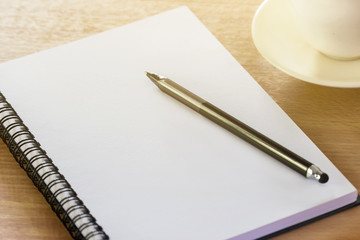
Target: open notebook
pixel 145 165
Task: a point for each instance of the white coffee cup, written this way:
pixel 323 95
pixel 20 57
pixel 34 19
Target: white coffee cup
pixel 330 26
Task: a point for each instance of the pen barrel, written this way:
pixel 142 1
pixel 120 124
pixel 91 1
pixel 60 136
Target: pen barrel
pixel 255 138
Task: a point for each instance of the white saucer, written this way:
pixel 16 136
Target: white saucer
pixel 276 37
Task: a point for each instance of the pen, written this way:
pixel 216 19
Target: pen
pixel 239 128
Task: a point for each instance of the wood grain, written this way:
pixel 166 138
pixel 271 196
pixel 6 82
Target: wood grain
pixel 329 116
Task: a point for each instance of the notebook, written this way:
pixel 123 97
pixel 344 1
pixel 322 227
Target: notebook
pixel 119 159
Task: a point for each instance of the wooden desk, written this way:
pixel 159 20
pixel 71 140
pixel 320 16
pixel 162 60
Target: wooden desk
pixel 329 116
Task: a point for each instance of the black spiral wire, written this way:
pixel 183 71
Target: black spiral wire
pixel 46 177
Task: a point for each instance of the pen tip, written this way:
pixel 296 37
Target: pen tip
pixel 153 77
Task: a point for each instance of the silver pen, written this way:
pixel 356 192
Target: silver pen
pixel 239 128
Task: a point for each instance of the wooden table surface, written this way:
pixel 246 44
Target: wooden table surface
pixel 329 116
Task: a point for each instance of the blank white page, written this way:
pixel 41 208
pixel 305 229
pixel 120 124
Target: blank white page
pixel 149 167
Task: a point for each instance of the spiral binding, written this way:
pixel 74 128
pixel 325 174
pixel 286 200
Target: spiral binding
pixel 46 177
